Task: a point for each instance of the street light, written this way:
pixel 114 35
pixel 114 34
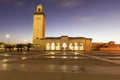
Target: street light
pixel 8 37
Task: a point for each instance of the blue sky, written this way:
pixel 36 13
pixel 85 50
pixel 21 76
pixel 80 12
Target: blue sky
pixel 97 19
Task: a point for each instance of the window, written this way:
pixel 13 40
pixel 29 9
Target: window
pixel 52 46
pixel 37 38
pixel 39 10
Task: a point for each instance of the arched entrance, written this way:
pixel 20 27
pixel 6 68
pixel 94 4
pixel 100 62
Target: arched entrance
pixel 57 46
pixel 64 46
pixel 70 46
pixel 52 46
pixel 76 46
pixel 81 46
pixel 48 46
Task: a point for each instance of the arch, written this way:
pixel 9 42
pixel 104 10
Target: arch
pixel 52 46
pixel 81 46
pixel 70 46
pixel 58 46
pixel 37 38
pixel 64 46
pixel 48 46
pixel 39 9
pixel 76 46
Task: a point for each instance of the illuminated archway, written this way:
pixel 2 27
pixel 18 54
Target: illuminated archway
pixel 64 46
pixel 48 46
pixel 81 46
pixel 58 46
pixel 76 46
pixel 70 46
pixel 52 46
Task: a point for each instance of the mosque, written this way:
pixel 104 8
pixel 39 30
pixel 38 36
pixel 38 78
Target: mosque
pixel 55 43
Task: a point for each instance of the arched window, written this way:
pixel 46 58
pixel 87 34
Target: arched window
pixel 70 46
pixel 37 38
pixel 81 46
pixel 38 9
pixel 48 46
pixel 64 46
pixel 75 46
pixel 58 46
pixel 52 46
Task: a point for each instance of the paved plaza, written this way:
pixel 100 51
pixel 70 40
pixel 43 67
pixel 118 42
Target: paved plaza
pixel 60 65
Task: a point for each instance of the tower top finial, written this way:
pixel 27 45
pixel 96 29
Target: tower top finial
pixel 39 8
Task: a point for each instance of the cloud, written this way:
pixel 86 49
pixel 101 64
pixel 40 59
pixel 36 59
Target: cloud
pixel 18 3
pixel 67 3
pixel 70 3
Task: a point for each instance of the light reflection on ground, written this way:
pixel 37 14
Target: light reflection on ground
pixel 74 62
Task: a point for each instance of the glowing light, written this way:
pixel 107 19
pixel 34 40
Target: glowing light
pixel 64 46
pixel 48 46
pixel 64 57
pixel 5 60
pixel 7 35
pixel 76 57
pixel 70 46
pixel 52 56
pixel 53 46
pixel 76 53
pixel 52 53
pixel 23 58
pixel 4 66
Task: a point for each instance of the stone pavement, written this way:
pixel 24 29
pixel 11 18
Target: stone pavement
pixel 57 66
pixel 103 59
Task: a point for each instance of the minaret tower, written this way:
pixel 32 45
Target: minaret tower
pixel 38 23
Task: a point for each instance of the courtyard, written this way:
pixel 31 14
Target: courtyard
pixel 60 65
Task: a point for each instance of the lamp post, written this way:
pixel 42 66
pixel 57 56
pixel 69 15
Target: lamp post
pixel 8 38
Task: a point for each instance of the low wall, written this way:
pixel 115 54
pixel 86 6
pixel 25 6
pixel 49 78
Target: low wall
pixel 109 49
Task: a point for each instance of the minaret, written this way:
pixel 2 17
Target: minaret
pixel 38 23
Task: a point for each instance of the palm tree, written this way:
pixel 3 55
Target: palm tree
pixel 29 45
pixel 8 47
pixel 19 47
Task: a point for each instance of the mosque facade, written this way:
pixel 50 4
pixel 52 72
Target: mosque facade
pixel 55 43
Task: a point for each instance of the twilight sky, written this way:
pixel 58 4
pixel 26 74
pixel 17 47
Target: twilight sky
pixel 97 19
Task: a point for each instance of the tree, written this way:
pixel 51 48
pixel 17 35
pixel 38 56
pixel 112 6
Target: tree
pixel 19 47
pixel 9 47
pixel 29 45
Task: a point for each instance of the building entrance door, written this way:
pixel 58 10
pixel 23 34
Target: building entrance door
pixel 64 46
